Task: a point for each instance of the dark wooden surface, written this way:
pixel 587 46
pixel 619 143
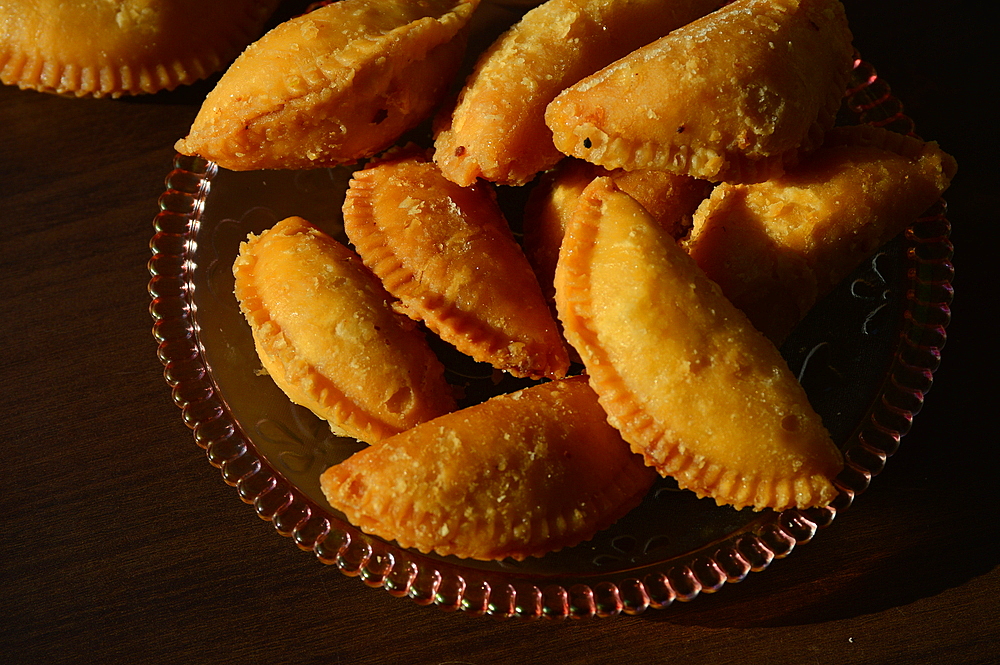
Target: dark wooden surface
pixel 120 543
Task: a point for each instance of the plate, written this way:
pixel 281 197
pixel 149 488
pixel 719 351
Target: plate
pixel 866 355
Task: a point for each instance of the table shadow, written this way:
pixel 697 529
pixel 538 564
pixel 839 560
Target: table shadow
pixel 881 553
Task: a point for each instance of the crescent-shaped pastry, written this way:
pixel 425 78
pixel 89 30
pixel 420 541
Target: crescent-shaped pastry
pixel 497 129
pixel 733 96
pixel 682 374
pixel 112 48
pixel 447 253
pixel 776 247
pixel 517 476
pixel 326 334
pixel 338 84
pixel 670 198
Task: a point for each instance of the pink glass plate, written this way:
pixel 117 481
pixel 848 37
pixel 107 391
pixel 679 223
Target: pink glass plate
pixel 866 355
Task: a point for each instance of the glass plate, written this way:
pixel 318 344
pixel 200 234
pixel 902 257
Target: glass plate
pixel 865 355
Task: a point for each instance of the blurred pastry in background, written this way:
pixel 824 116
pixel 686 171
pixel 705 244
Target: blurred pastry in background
pixel 103 48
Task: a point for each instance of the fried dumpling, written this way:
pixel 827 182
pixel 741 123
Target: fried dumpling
pixel 333 86
pixel 670 198
pixel 497 129
pixel 326 334
pixel 517 476
pixel 112 48
pixel 681 373
pixel 776 247
pixel 447 253
pixel 734 96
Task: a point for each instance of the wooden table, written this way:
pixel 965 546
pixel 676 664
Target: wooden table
pixel 122 544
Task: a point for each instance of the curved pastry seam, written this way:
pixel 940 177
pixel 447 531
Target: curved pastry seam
pixel 468 333
pixel 272 340
pixel 124 77
pixel 621 404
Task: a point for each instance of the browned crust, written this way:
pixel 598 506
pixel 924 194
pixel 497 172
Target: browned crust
pixel 333 86
pixel 123 50
pixel 777 247
pixel 517 476
pixel 447 254
pixel 660 403
pixel 496 130
pixel 734 96
pixel 402 383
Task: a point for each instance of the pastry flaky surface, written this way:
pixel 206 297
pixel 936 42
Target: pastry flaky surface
pixel 670 198
pixel 122 47
pixel 519 475
pixel 338 84
pixel 682 374
pixel 733 96
pixel 447 253
pixel 776 247
pixel 326 334
pixel 497 131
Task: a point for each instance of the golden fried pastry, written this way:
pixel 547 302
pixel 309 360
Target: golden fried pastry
pixel 447 254
pixel 776 247
pixel 733 96
pixel 325 333
pixel 517 476
pixel 682 374
pixel 333 86
pixel 497 129
pixel 122 47
pixel 670 198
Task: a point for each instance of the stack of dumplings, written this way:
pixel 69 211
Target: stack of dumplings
pixel 691 201
pixel 496 130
